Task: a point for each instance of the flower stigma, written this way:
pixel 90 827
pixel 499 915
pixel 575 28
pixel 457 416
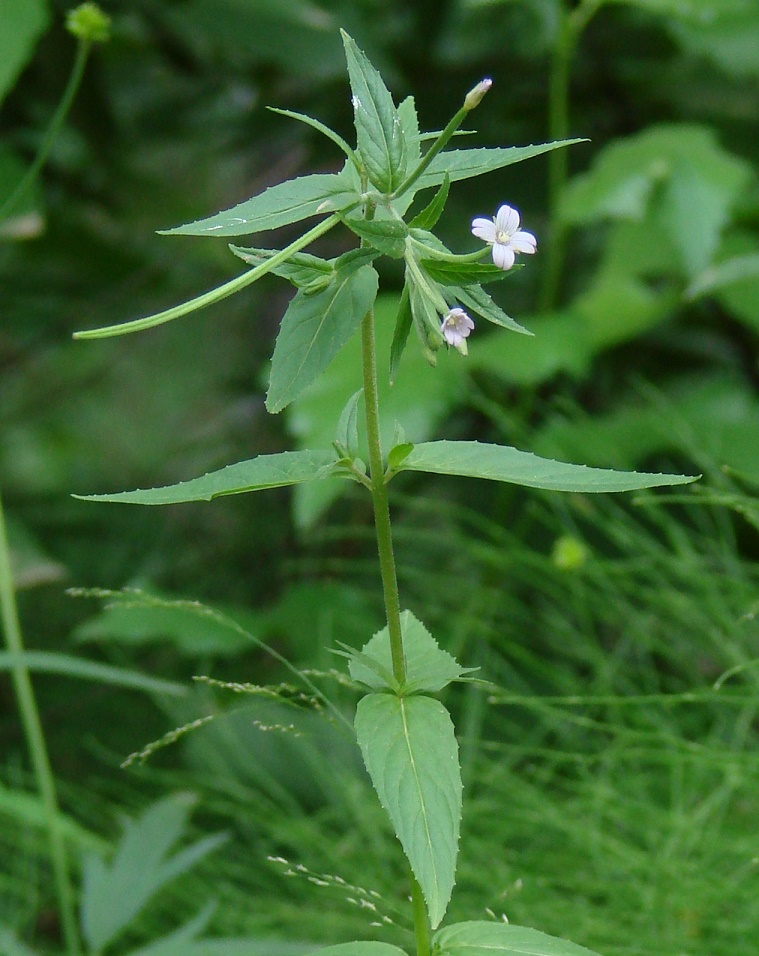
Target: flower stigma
pixel 502 232
pixel 456 326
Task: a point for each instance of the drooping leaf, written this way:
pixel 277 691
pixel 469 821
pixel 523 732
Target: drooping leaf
pixel 428 668
pixel 477 300
pixel 302 269
pixel 325 130
pixel 503 463
pixel 403 322
pixel 480 938
pixel 460 164
pixel 266 471
pixel 409 748
pixel 379 133
pixel 66 665
pixel 314 329
pixel 113 894
pixel 278 205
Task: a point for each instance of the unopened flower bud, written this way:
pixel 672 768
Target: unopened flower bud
pixel 474 96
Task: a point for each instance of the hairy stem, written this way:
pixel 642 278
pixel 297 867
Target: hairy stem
pixel 379 498
pixel 421 922
pixel 30 720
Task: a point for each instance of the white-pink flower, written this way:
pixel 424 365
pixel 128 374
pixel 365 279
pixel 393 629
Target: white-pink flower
pixel 505 236
pixel 456 327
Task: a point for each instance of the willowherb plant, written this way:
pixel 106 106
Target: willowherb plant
pixel 405 734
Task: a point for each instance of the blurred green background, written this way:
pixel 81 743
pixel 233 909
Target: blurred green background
pixel 611 792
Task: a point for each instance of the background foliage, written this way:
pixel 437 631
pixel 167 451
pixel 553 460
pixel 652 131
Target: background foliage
pixel 610 790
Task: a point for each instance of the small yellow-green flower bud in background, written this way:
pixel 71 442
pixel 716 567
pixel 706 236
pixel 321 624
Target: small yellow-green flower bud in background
pixel 569 553
pixel 88 22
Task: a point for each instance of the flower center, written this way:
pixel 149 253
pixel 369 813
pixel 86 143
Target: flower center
pixel 502 238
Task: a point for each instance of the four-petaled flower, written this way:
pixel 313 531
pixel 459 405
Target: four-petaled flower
pixel 505 236
pixel 455 327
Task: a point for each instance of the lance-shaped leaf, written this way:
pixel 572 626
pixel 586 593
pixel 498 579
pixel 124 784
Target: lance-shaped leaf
pixel 474 297
pixel 480 938
pixel 266 471
pixel 428 668
pixel 465 163
pixel 463 273
pixel 279 205
pixel 315 328
pixel 473 459
pixel 410 751
pixel 379 132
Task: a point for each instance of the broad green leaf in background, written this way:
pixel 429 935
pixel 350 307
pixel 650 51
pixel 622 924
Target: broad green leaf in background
pixel 730 272
pixel 314 329
pixel 678 175
pixel 22 22
pixel 503 463
pixel 727 38
pixel 697 10
pixel 428 668
pixel 560 345
pixel 113 894
pixel 480 938
pixel 279 205
pixel 379 131
pixel 714 420
pixel 266 471
pixel 51 662
pixel 409 748
pixel 135 619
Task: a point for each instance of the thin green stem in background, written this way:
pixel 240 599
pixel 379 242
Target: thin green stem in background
pixel 570 29
pixel 77 72
pixel 379 498
pixel 35 738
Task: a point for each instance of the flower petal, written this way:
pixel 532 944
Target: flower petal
pixel 484 229
pixel 503 256
pixel 507 220
pixel 523 241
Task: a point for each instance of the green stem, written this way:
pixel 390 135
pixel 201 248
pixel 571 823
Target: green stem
pixel 35 738
pixel 77 72
pixel 379 499
pixel 421 922
pixel 570 29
